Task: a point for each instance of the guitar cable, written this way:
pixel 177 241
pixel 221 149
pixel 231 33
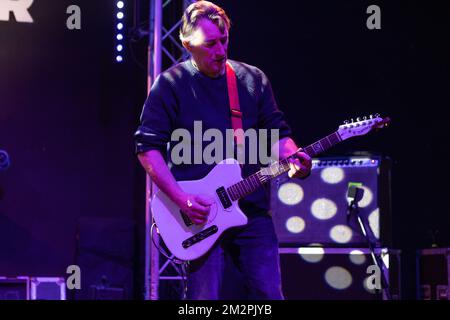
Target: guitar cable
pixel 180 265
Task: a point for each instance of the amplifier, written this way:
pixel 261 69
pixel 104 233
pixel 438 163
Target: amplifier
pixel 48 288
pixel 315 210
pixel 318 273
pixel 433 274
pixel 17 288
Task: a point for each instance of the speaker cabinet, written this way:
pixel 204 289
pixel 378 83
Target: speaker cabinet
pixel 433 274
pixel 105 255
pixel 14 288
pixel 314 210
pixel 48 288
pixel 337 273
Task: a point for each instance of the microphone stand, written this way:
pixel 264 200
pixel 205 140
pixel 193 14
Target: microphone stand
pixel 378 261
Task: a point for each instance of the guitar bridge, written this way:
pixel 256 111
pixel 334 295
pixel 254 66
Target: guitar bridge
pixel 199 237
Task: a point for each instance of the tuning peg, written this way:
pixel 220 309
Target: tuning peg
pixel 352 120
pixel 377 115
pixel 345 121
pixel 371 116
pixel 358 119
pixel 365 118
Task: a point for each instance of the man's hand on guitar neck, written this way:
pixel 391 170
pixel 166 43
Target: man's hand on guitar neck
pixel 300 166
pixel 196 207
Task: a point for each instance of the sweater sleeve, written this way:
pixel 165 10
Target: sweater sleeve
pixel 157 118
pixel 270 116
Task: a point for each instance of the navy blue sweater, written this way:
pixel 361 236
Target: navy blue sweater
pixel 182 95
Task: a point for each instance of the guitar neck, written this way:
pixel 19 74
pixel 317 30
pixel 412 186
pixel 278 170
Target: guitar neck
pixel 248 185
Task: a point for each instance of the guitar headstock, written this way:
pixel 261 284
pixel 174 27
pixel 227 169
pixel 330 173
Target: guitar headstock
pixel 362 126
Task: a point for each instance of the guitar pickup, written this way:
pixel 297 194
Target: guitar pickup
pixel 223 197
pixel 199 237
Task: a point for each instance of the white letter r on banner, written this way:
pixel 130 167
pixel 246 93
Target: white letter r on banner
pixel 18 7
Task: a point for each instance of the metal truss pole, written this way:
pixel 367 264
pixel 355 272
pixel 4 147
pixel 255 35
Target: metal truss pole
pixel 153 69
pixel 153 272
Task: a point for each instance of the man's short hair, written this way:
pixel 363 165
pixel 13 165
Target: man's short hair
pixel 202 10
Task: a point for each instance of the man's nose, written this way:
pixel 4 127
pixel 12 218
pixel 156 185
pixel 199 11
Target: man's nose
pixel 221 50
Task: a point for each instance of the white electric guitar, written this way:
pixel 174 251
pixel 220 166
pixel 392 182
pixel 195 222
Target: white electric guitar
pixel 224 184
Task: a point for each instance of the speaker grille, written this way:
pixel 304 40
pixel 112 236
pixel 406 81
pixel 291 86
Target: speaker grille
pixel 314 211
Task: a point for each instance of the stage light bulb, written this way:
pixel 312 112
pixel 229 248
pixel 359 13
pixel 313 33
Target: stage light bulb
pixel 119 36
pixel 120 4
pixel 119 58
pixel 120 26
pixel 119 47
pixel 120 15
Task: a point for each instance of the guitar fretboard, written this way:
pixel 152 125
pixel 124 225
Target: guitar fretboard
pixel 250 184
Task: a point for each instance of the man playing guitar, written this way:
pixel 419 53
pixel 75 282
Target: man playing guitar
pixel 197 90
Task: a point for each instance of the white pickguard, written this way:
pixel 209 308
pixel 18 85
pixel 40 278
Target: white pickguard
pixel 171 225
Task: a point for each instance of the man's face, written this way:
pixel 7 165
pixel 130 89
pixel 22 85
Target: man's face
pixel 208 47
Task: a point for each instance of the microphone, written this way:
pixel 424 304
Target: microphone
pixel 354 194
pixel 354 191
pixel 4 160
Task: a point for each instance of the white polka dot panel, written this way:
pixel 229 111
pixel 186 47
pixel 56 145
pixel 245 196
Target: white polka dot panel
pixel 332 175
pixel 290 193
pixel 357 257
pixel 367 197
pixel 374 218
pixel 295 224
pixel 311 255
pixel 338 278
pixel 323 209
pixel 341 234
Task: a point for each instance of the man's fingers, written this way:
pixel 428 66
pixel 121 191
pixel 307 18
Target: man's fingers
pixel 204 201
pixel 304 159
pixel 295 165
pixel 201 209
pixel 198 218
pixel 293 169
pixel 297 169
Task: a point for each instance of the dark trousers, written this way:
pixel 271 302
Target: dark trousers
pixel 253 249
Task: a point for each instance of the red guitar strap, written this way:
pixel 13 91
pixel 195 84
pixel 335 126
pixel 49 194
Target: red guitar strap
pixel 236 114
